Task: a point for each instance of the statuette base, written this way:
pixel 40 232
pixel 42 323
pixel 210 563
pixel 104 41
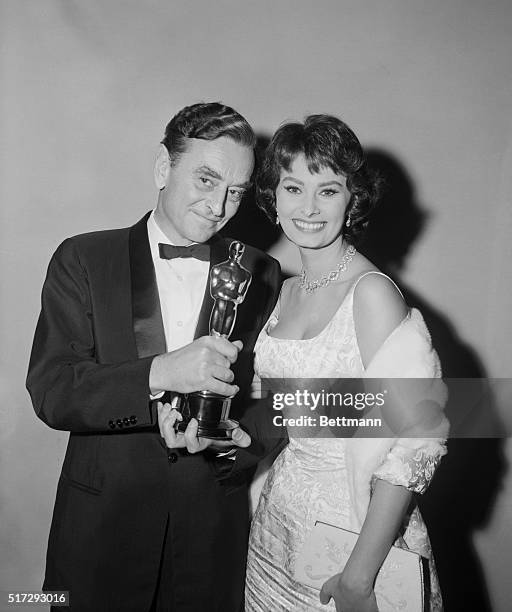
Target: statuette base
pixel 212 413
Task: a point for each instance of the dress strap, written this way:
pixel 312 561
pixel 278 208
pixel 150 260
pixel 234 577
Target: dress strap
pixel 353 288
pixel 277 308
pixel 274 315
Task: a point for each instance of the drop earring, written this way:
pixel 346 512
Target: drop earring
pixel 277 219
pixel 348 222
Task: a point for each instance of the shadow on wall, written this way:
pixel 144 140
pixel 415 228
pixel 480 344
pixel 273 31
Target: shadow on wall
pixel 461 497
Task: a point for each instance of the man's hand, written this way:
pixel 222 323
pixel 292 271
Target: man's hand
pixel 167 419
pixel 202 365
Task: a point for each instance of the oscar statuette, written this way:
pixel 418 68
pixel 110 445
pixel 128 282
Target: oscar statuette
pixel 229 282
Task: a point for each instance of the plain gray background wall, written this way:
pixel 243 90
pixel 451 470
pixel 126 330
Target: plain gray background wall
pixel 87 88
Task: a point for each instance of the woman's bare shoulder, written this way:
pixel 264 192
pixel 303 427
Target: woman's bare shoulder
pixel 378 309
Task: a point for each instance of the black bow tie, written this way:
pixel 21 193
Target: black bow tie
pixel 197 251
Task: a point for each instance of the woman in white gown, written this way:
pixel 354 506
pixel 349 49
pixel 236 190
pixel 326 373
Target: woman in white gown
pixel 341 318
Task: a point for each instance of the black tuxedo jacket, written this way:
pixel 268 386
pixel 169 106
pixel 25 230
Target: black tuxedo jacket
pixel 121 491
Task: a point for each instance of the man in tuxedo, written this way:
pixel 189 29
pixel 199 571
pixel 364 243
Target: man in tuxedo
pixel 146 519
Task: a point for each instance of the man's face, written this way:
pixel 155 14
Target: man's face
pixel 203 190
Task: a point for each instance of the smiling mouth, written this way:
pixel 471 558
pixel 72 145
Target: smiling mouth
pixel 309 226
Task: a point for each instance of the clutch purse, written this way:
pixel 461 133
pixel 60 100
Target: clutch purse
pixel 401 583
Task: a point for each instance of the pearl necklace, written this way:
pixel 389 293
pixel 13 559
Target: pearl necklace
pixel 312 285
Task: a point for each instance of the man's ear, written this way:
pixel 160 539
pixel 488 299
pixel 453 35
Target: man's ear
pixel 162 166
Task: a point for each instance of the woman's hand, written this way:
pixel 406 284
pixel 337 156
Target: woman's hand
pixel 349 595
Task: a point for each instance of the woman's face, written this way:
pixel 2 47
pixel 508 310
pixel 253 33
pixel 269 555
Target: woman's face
pixel 311 207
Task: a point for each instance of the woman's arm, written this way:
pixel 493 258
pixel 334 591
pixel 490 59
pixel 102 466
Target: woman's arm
pixel 387 508
pixel 352 589
pixel 378 310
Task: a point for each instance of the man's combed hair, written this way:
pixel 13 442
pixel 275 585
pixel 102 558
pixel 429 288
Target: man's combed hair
pixel 325 142
pixel 206 121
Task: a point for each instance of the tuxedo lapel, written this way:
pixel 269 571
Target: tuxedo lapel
pixel 146 314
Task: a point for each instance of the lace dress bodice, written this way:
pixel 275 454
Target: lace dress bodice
pixel 333 352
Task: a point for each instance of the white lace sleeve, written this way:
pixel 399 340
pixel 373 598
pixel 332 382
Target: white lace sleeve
pixel 408 367
pixel 411 462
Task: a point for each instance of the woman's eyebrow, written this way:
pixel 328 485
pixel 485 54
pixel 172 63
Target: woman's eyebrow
pixel 291 178
pixel 333 182
pixel 323 184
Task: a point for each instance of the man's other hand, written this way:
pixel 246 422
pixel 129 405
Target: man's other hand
pixel 168 418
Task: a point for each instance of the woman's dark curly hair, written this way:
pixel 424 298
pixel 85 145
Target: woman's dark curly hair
pixel 325 142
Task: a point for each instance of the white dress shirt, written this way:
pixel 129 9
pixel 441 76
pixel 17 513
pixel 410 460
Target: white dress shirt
pixel 181 285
